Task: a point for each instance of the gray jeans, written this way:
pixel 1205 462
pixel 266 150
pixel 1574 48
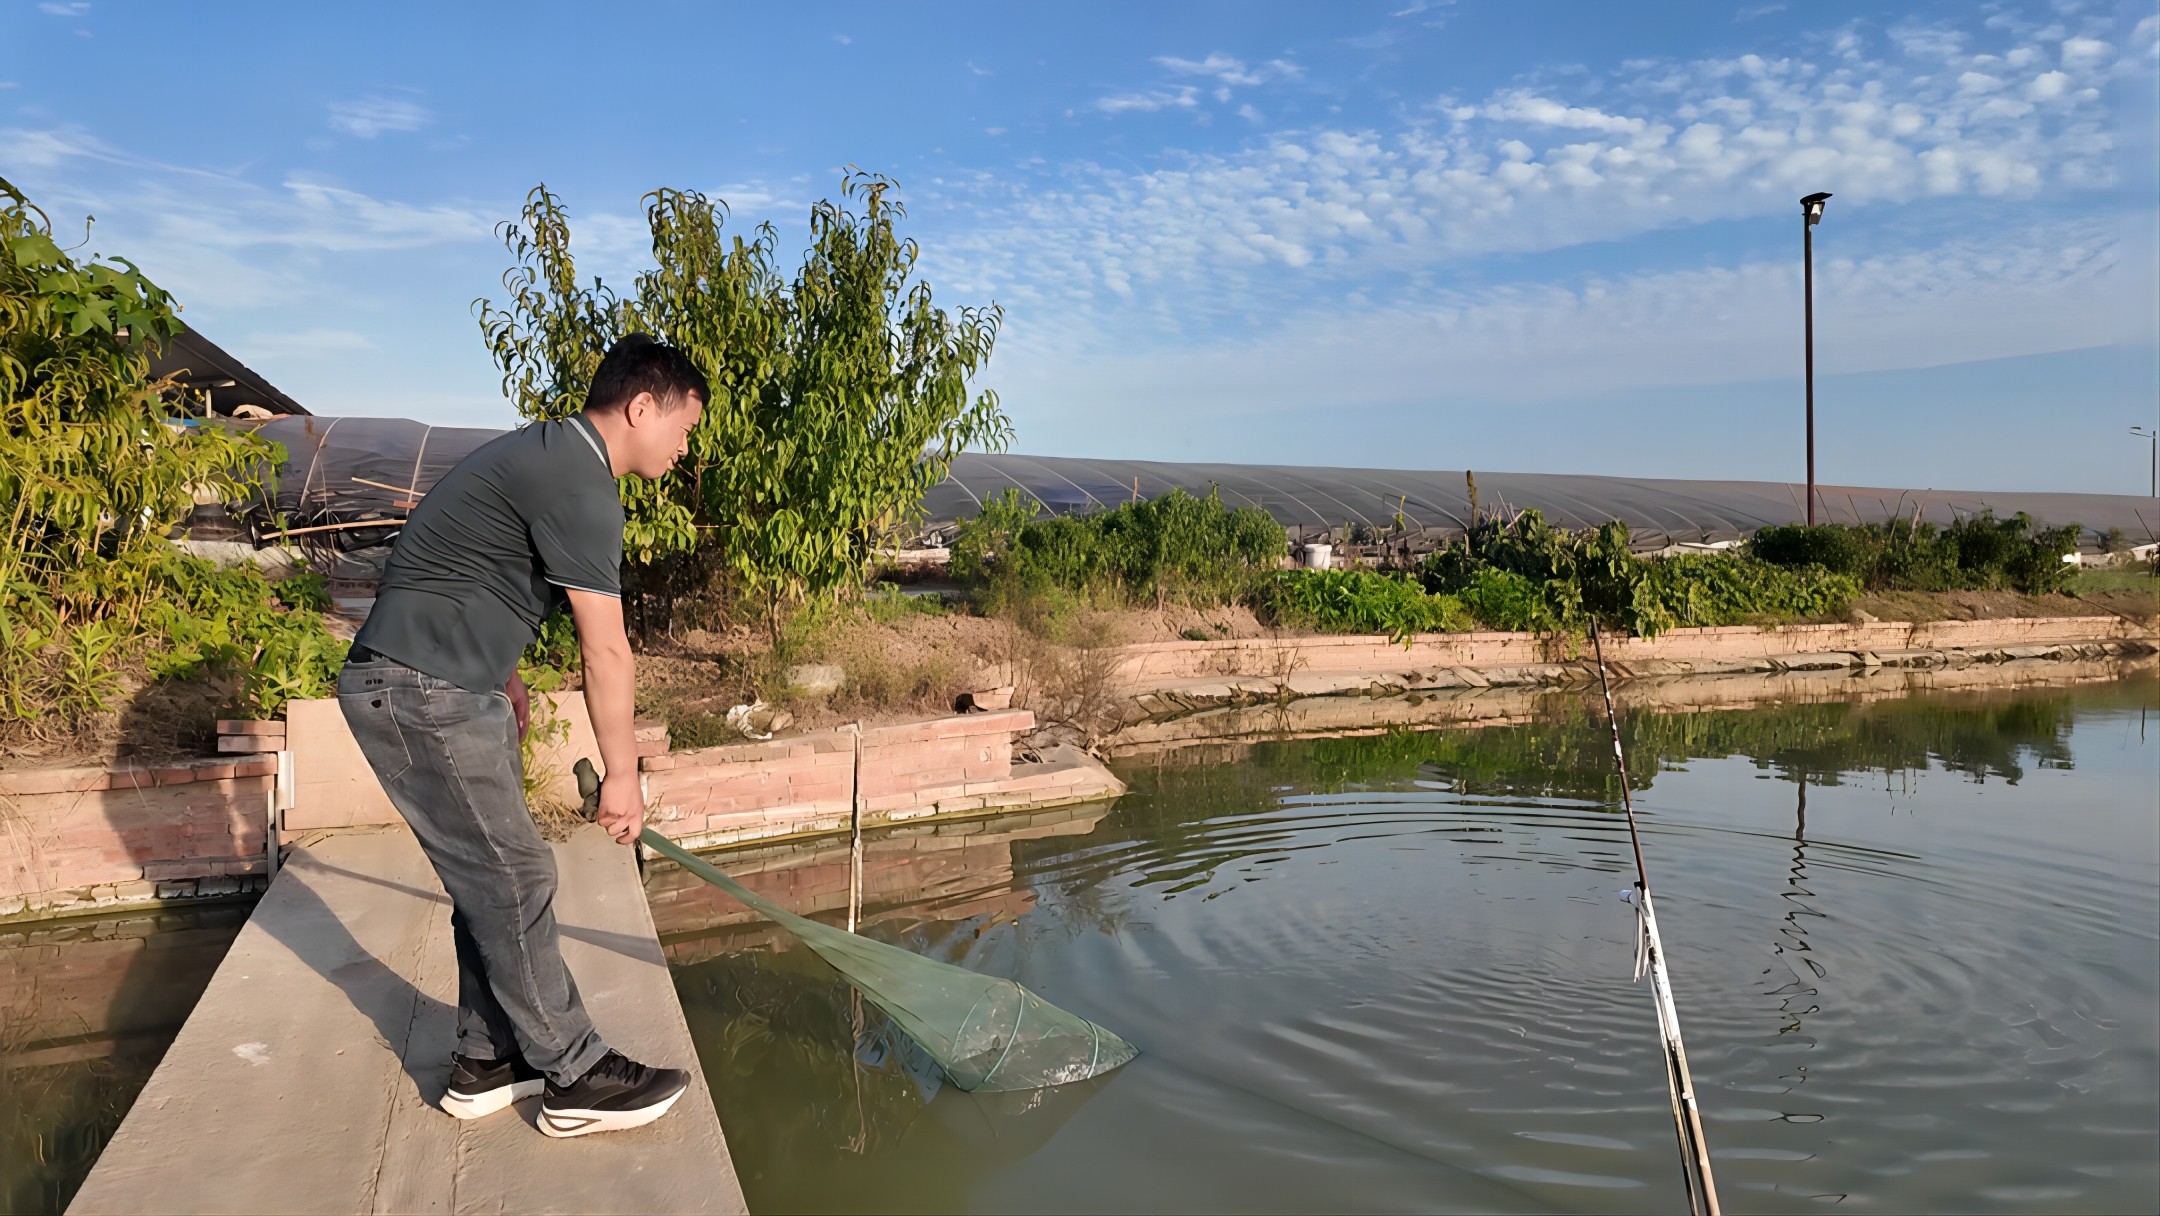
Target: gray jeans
pixel 449 760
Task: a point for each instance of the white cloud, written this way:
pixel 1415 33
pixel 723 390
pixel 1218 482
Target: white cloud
pixel 1229 70
pixel 75 9
pixel 2048 85
pixel 1521 105
pixel 1208 240
pixel 217 238
pixel 1184 97
pixel 372 116
pixel 843 39
pixel 2029 291
pixel 2085 52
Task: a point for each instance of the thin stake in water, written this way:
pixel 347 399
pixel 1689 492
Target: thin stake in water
pixel 1650 954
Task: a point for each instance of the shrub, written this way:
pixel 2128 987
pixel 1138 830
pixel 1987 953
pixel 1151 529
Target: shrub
pixel 1175 547
pixel 233 620
pixel 1697 589
pixel 1977 553
pixel 1504 600
pixel 1525 574
pixel 96 474
pixel 1359 601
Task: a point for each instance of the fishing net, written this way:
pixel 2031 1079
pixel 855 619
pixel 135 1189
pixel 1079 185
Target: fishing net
pixel 988 1034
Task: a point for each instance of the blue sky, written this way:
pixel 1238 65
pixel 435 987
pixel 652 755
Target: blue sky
pixel 1529 236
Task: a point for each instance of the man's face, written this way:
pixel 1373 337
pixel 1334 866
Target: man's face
pixel 660 435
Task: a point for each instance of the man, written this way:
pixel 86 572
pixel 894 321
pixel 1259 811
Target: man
pixel 432 694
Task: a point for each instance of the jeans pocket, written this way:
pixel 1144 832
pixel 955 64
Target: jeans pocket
pixel 372 717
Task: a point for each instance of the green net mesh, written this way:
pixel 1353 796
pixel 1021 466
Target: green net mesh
pixel 987 1033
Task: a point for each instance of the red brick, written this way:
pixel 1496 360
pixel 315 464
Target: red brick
pixel 251 726
pixel 656 764
pixel 249 743
pixel 259 766
pixel 53 781
pixel 209 770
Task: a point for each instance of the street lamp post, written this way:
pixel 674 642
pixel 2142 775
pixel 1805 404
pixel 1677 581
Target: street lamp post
pixel 2153 438
pixel 1811 209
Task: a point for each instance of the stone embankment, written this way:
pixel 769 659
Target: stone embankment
pixel 1167 682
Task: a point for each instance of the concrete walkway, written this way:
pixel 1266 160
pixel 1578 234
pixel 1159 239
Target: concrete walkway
pixel 307 1077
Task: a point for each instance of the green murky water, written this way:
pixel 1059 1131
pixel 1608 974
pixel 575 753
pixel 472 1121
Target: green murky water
pixel 87 1009
pixel 1914 944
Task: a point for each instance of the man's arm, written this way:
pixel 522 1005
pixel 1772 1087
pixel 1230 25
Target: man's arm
pixel 610 697
pixel 520 702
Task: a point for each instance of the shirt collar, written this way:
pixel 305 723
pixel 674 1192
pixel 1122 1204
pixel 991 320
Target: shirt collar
pixel 592 440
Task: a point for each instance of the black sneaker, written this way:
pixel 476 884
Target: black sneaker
pixel 482 1087
pixel 616 1093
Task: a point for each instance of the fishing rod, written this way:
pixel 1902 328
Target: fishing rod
pixel 1650 955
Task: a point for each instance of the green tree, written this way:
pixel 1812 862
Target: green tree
pixel 839 397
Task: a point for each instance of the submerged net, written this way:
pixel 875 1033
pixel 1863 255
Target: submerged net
pixel 987 1033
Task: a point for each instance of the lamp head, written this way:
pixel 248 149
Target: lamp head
pixel 1813 206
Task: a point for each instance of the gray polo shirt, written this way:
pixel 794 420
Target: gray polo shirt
pixel 488 553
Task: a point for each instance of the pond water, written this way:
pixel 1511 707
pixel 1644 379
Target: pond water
pixel 87 1008
pixel 1915 946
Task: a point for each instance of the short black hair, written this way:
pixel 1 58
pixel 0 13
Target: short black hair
pixel 641 363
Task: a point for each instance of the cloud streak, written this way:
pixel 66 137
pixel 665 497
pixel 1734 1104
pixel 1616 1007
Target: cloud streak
pixel 373 116
pixel 2037 289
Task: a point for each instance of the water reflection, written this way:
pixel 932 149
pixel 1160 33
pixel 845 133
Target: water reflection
pixel 87 1009
pixel 1797 991
pixel 1390 972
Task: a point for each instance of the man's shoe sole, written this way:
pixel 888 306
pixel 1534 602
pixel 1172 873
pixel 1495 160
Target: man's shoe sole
pixel 488 1101
pixel 565 1123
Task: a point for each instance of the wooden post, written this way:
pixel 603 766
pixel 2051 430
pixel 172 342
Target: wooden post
pixel 854 898
pixel 281 800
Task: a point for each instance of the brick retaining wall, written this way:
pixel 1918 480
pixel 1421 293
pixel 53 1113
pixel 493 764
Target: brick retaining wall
pixel 81 838
pixel 800 786
pixel 84 838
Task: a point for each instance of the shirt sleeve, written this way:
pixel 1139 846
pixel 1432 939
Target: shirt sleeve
pixel 579 539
